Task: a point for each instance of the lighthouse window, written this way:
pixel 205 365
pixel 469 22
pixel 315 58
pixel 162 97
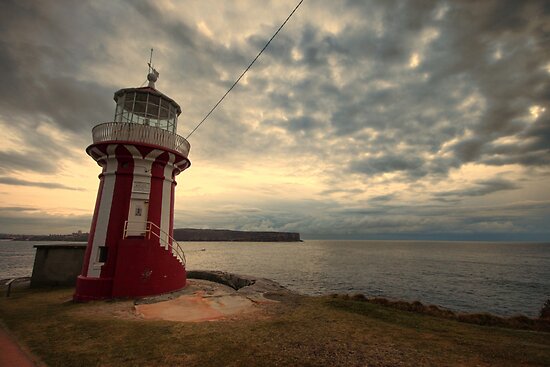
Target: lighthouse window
pixel 141 97
pixel 139 108
pixel 152 111
pixel 118 112
pixel 129 101
pixel 126 116
pixel 102 255
pixel 154 100
pixel 163 113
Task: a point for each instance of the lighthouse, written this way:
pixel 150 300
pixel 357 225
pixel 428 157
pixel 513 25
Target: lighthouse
pixel 130 251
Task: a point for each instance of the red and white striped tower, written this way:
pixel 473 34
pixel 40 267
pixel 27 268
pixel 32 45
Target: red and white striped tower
pixel 131 252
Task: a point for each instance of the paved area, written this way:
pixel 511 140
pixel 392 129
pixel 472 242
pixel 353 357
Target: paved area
pixel 196 308
pixel 202 300
pixel 205 300
pixel 11 354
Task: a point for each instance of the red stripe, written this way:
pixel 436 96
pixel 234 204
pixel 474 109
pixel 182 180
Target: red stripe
pixel 119 208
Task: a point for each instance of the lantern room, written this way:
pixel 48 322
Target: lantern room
pixel 146 106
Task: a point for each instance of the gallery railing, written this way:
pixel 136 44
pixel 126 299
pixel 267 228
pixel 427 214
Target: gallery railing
pixel 124 131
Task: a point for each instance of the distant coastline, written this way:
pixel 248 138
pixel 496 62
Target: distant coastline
pixel 180 234
pixel 196 235
pixel 74 237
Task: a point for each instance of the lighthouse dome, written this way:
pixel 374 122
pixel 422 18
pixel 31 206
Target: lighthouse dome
pixel 146 106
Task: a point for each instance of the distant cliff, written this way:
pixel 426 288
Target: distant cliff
pixel 191 234
pixel 181 234
pixel 73 237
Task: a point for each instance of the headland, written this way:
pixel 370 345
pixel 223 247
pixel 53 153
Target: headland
pixel 192 234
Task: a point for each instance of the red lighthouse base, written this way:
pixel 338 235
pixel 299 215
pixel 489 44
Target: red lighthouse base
pixel 143 268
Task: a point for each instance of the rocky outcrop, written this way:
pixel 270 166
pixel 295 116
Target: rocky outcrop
pixel 231 280
pixel 258 290
pixel 212 282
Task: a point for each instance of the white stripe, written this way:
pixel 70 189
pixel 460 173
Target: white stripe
pixel 104 212
pixel 99 153
pixel 142 173
pixel 166 199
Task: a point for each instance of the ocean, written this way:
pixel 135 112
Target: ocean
pixel 501 278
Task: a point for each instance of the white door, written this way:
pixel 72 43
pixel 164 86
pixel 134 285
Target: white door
pixel 137 218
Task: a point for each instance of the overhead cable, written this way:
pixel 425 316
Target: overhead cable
pixel 245 70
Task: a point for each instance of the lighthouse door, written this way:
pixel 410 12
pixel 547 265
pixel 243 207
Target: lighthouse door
pixel 137 218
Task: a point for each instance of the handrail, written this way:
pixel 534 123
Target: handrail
pixel 173 245
pixel 178 250
pixel 126 131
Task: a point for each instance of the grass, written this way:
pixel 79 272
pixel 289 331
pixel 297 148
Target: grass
pixel 485 319
pixel 303 331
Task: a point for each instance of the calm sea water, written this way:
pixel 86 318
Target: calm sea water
pixel 501 278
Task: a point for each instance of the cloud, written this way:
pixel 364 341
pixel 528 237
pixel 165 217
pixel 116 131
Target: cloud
pixel 34 161
pixel 341 191
pixel 341 83
pixel 47 185
pixel 35 220
pixel 42 223
pixel 334 102
pixel 382 219
pixel 481 188
pixel 382 198
pixel 469 150
pixel 385 164
pixel 18 209
pixel 45 67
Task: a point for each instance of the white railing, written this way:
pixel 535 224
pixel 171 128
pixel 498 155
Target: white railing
pixel 145 229
pixel 125 131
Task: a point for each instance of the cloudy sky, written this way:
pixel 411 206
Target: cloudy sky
pixel 363 119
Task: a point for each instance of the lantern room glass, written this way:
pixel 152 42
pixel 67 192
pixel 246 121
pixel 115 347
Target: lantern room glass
pixel 146 109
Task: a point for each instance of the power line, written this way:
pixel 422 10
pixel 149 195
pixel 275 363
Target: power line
pixel 245 70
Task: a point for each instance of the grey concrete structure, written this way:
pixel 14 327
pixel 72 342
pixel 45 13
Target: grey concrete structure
pixel 57 264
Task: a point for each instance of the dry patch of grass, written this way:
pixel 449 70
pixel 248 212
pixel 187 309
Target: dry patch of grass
pixel 300 331
pixel 485 319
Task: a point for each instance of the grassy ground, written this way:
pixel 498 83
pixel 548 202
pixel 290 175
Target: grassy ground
pixel 300 331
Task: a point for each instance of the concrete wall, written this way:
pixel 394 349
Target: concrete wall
pixel 57 265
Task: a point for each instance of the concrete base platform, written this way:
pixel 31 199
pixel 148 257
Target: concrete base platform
pixel 202 301
pixel 206 300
